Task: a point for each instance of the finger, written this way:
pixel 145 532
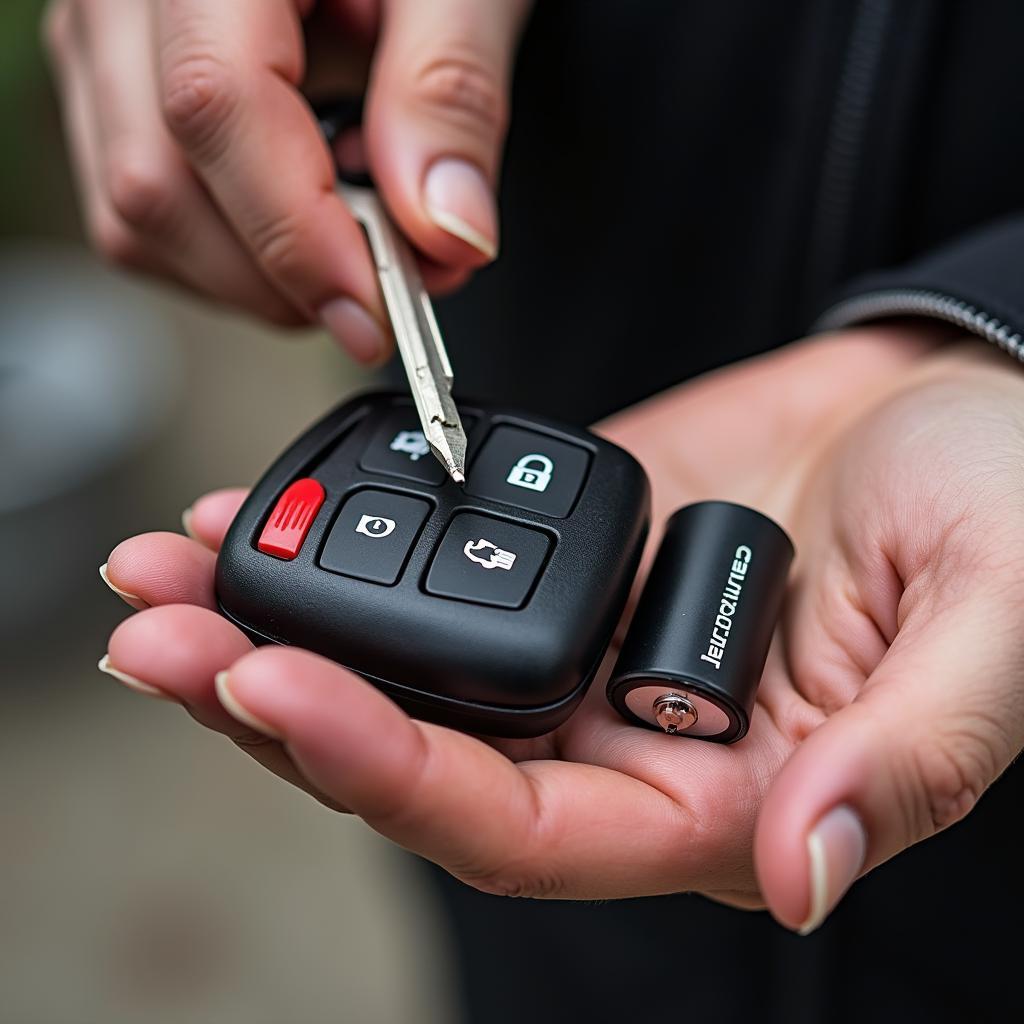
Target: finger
pixel 208 518
pixel 437 111
pixel 148 183
pixel 175 653
pixel 107 233
pixel 543 828
pixel 163 568
pixel 931 730
pixel 177 650
pixel 228 84
pixel 160 569
pixel 439 280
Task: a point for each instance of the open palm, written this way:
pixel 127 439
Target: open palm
pixel 857 444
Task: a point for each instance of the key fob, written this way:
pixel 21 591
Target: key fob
pixel 486 608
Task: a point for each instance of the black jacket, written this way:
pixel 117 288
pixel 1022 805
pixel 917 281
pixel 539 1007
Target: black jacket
pixel 687 184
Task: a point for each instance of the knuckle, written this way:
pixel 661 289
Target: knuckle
pixel 279 247
pixel 142 193
pixel 115 242
pixel 948 775
pixel 198 96
pixel 463 89
pixel 519 881
pixel 523 868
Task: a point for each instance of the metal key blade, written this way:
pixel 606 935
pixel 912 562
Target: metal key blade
pixel 416 331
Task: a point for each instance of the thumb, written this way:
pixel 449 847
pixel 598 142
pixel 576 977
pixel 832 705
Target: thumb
pixel 435 122
pixel 935 724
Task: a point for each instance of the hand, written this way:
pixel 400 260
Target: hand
pixel 890 701
pixel 198 159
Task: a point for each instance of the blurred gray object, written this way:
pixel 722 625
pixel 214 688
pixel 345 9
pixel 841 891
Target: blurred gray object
pixel 150 871
pixel 87 373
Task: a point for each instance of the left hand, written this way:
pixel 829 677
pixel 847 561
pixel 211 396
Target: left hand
pixel 891 699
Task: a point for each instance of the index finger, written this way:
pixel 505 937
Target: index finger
pixel 229 75
pixel 539 828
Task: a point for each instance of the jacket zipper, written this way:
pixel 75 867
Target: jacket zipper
pixel 921 302
pixel 844 147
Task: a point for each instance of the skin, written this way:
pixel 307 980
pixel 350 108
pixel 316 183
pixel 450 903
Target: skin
pixel 892 687
pixel 198 160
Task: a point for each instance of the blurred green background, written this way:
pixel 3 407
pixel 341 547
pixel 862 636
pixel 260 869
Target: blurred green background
pixel 148 870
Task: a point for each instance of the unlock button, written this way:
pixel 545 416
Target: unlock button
pixel 531 470
pixel 487 561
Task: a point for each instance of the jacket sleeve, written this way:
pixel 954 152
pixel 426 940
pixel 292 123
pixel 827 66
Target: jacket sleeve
pixel 975 282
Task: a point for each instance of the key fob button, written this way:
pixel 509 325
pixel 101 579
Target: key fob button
pixel 466 610
pixel 373 534
pixel 487 561
pixel 530 470
pixel 289 522
pixel 398 448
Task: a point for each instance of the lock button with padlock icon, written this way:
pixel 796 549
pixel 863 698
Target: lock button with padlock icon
pixel 532 472
pixel 528 469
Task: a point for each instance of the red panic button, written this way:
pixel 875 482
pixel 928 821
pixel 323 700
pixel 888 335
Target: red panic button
pixel 291 519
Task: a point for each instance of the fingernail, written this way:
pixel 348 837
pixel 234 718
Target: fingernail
pixel 186 523
pixel 836 847
pixel 358 332
pixel 132 600
pixel 130 681
pixel 236 709
pixel 459 200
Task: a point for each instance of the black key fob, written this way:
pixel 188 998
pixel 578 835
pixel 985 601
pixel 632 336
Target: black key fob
pixel 487 608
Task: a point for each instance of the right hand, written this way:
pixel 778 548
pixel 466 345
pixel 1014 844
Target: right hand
pixel 198 159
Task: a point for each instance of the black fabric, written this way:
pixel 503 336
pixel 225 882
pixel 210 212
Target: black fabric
pixel 931 936
pixel 665 207
pixel 687 184
pixel 985 269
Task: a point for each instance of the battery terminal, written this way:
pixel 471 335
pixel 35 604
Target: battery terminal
pixel 674 713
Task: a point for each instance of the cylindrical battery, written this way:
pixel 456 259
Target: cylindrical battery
pixel 693 657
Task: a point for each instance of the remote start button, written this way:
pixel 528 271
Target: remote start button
pixel 488 561
pixel 530 470
pixel 373 535
pixel 291 519
pixel 398 448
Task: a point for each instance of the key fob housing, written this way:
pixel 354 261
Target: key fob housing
pixel 486 608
